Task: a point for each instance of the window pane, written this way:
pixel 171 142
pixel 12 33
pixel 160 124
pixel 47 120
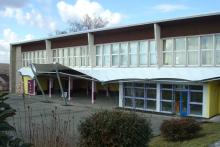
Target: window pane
pixel 143 47
pixel 168 45
pixel 77 51
pixel 196 97
pixel 193 58
pixel 153 47
pixel 151 104
pixel 98 60
pixel 180 58
pixel 207 58
pixel 143 59
pixel 123 60
pixel 166 94
pixel 180 44
pixel 106 60
pixel 139 85
pixel 206 42
pixel 106 49
pixel 195 109
pixel 98 50
pixel 167 106
pixel 167 58
pixel 133 47
pixel 151 93
pixel 193 43
pixel 153 53
pixel 115 60
pixel 124 48
pixel 196 87
pixel 133 60
pixel 139 92
pixel 128 102
pixel 139 103
pixel 166 86
pixel 217 41
pixel 128 92
pixel 115 48
pixel 217 57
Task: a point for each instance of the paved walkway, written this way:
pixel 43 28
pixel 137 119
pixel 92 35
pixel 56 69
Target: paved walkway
pixel 80 108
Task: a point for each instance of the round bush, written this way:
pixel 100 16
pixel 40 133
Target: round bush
pixel 179 129
pixel 114 129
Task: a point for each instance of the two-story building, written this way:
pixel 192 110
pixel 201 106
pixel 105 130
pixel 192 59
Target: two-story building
pixel 168 66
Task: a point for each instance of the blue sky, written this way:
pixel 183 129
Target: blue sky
pixel 32 19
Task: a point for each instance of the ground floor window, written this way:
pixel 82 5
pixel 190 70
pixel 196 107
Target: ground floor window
pixel 180 99
pixel 140 96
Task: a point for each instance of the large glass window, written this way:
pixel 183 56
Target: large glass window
pixel 193 50
pixel 124 54
pixel 143 53
pixel 166 97
pixel 217 47
pixel 83 56
pixel 133 53
pixel 168 52
pixel 152 52
pixel 98 56
pixel 115 54
pixel 106 54
pixel 180 51
pixel 206 43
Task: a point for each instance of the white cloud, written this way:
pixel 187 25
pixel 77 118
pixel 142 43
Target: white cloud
pixel 33 18
pixel 8 37
pixel 87 7
pixel 169 7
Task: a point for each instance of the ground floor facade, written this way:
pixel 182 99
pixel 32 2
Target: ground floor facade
pixel 183 99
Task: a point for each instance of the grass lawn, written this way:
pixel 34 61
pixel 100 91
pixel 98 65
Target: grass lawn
pixel 209 134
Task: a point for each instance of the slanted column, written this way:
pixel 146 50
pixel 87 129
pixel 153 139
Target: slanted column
pixel 91 48
pixel 158 44
pixel 69 88
pixel 49 55
pixel 50 86
pixel 107 90
pixel 93 91
pixel 120 103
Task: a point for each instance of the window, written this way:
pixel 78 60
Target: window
pixel 106 54
pixel 83 56
pixel 115 54
pixel 180 51
pixel 143 53
pixel 77 56
pixel 207 49
pixel 193 50
pixel 133 53
pixel 166 97
pixel 153 53
pixel 66 59
pixel 167 52
pixel 124 54
pixel 217 47
pixel 98 56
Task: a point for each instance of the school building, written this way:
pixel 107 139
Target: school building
pixel 167 66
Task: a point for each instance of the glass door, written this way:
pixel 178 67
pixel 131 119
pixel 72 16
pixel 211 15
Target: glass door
pixel 183 103
pixel 180 105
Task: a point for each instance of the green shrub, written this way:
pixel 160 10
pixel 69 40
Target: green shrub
pixel 114 129
pixel 179 129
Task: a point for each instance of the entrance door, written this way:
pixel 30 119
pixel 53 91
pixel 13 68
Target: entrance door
pixel 181 102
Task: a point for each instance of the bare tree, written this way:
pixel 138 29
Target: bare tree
pixel 87 23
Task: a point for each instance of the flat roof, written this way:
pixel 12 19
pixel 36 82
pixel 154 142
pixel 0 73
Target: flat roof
pixel 117 27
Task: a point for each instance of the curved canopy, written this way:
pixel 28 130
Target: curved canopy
pixel 142 73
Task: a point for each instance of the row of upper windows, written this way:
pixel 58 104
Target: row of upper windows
pixel 126 54
pixel 38 57
pixel 194 50
pixel 74 56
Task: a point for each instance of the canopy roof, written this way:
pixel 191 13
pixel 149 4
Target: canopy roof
pixel 190 74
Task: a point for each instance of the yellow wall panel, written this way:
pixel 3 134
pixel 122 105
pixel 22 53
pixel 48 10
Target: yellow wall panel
pixel 213 98
pixel 26 79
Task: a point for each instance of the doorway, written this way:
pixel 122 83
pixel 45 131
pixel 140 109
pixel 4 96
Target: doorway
pixel 181 103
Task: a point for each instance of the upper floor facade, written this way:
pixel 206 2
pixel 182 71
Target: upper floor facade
pixel 184 42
